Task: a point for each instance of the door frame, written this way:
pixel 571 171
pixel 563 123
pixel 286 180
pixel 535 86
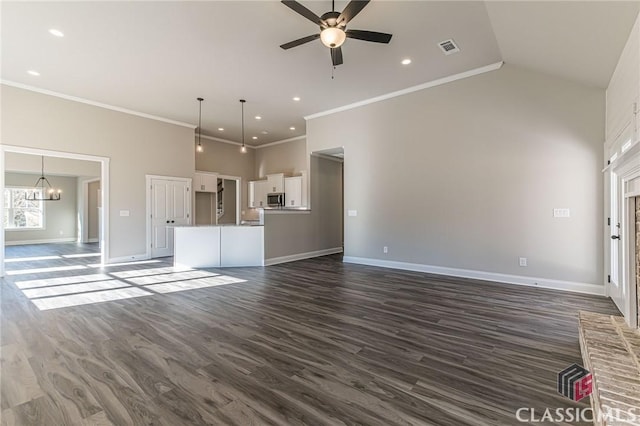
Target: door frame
pixel 104 176
pixel 627 168
pixel 149 194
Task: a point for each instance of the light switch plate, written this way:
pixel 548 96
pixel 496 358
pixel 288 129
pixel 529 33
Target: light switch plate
pixel 352 212
pixel 124 213
pixel 561 213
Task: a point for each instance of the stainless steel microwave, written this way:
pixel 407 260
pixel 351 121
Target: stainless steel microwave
pixel 275 199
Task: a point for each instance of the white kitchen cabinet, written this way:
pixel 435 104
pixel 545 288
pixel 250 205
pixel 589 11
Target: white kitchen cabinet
pixel 258 190
pixel 295 191
pixel 275 183
pixel 205 182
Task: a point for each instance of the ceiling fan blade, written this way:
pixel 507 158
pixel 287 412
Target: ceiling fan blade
pixel 369 36
pixel 353 8
pixel 336 56
pixel 300 9
pixel 300 41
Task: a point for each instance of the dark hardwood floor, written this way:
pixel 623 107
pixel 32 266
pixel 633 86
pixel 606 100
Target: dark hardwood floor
pixel 314 342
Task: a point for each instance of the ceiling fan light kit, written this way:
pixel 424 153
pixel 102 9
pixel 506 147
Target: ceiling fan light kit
pixel 333 32
pixel 333 37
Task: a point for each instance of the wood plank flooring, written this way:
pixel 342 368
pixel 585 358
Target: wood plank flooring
pixel 314 342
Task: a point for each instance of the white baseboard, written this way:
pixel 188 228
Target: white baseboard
pixel 49 241
pixel 301 256
pixel 92 240
pixel 481 275
pixel 131 258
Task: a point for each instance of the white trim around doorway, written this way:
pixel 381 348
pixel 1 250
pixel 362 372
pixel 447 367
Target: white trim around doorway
pixel 104 176
pixel 627 167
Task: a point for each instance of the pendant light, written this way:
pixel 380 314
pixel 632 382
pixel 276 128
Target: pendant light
pixel 243 149
pixel 199 146
pixel 48 193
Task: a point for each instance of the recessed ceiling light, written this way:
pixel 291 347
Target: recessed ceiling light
pixel 264 132
pixel 406 61
pixel 258 117
pixel 292 128
pixel 254 138
pixel 296 98
pixel 220 129
pixel 34 73
pixel 56 33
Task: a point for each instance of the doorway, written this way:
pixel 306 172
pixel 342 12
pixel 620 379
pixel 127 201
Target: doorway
pixel 168 205
pixel 37 154
pixel 336 155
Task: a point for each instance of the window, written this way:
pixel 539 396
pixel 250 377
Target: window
pixel 21 213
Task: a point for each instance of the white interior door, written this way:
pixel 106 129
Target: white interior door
pixel 615 284
pixel 170 206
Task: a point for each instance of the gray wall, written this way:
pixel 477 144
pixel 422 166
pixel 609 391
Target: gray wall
pixel 61 217
pixel 136 146
pixel 467 174
pixel 226 159
pixel 321 229
pixel 288 158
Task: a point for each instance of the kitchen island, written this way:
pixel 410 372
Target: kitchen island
pixel 213 246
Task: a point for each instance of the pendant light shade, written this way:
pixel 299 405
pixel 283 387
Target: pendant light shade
pixel 243 148
pixel 46 191
pixel 199 145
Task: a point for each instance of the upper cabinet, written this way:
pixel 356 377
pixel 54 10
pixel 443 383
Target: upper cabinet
pixel 205 182
pixel 258 191
pixel 295 191
pixel 275 183
pixel 623 96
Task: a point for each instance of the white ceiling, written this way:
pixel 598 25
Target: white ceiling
pixel 158 57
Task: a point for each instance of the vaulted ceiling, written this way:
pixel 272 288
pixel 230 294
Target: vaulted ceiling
pixel 158 57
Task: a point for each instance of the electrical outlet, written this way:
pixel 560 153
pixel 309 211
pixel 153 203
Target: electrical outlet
pixel 522 261
pixel 385 249
pixel 562 213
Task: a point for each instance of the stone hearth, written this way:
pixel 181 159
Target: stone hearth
pixel 611 352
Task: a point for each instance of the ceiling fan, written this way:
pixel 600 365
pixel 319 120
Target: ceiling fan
pixel 333 26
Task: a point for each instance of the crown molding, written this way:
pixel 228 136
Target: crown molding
pixel 96 104
pixel 423 86
pixel 213 138
pixel 267 145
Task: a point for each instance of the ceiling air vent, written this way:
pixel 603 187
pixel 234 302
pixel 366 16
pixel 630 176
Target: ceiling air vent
pixel 449 46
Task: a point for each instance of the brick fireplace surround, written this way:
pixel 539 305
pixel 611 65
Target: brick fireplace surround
pixel 611 352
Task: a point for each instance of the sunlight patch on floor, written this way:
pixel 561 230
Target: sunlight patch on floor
pixel 194 284
pixel 153 271
pixel 62 292
pixel 41 270
pixel 30 259
pixel 88 298
pixel 75 256
pixel 163 278
pixel 108 265
pixel 73 288
pixel 61 280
